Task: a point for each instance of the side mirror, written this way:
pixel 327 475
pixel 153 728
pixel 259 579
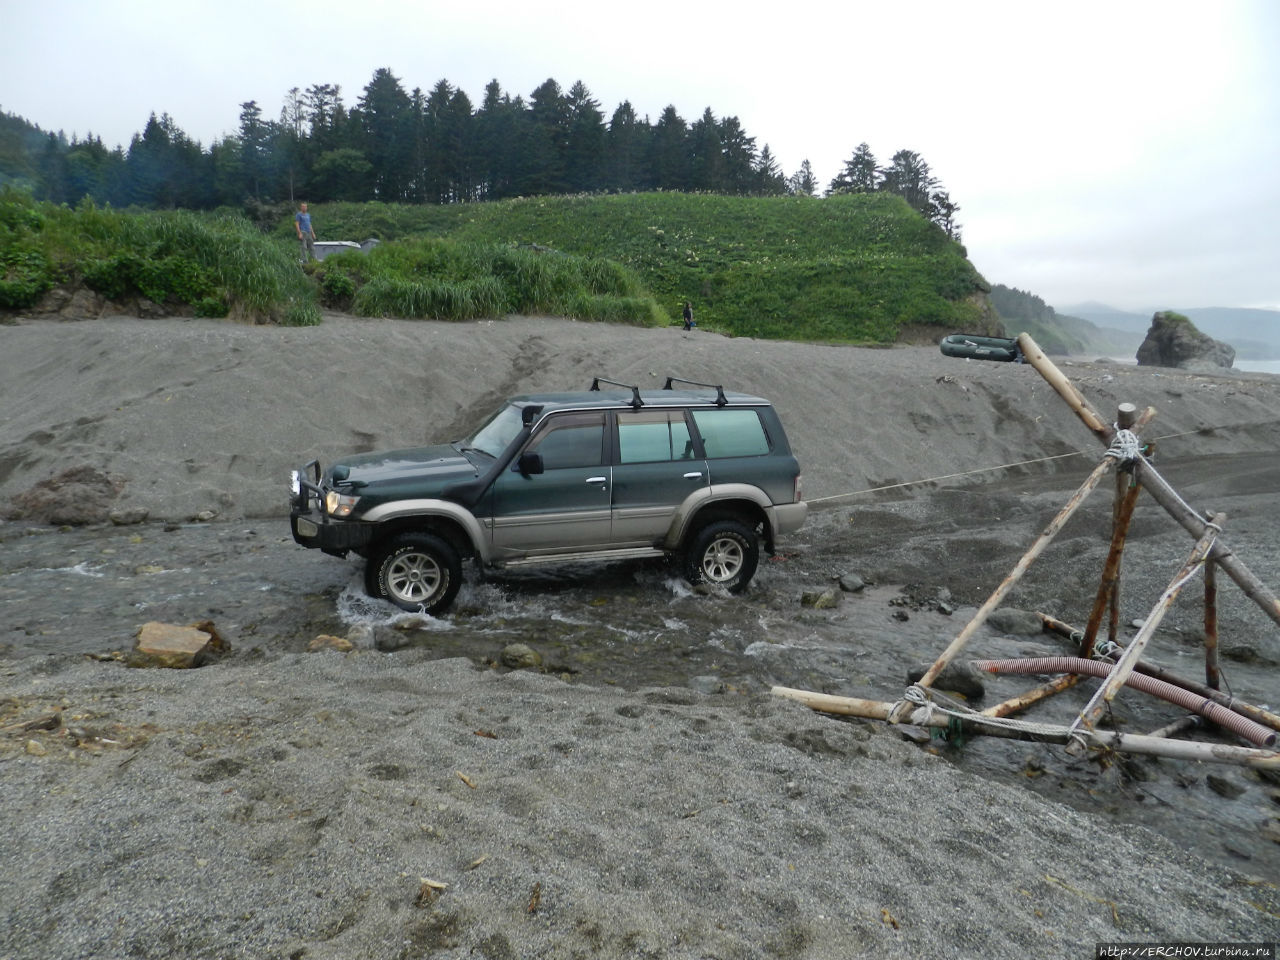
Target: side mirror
pixel 529 464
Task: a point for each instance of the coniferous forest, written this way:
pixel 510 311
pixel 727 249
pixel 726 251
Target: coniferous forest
pixel 437 147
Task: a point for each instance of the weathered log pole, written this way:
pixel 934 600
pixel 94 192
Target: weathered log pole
pixel 1149 477
pixel 1127 490
pixel 1023 564
pixel 1181 725
pixel 1151 669
pixel 1109 585
pixel 1061 628
pixel 1211 676
pixel 1124 666
pixel 1065 388
pixel 1194 524
pixel 1124 742
pixel 1033 696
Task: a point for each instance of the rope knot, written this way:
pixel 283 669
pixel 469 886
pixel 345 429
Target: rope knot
pixel 1125 446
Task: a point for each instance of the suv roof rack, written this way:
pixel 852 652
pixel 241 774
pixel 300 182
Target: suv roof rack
pixel 721 399
pixel 636 402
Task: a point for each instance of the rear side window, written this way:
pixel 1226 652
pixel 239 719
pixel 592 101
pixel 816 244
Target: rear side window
pixel 731 433
pixel 653 436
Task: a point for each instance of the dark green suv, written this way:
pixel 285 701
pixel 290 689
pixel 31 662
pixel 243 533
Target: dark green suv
pixel 698 475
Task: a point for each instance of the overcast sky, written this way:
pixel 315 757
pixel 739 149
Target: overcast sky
pixel 1123 151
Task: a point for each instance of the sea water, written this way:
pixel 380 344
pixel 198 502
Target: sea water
pixel 1258 366
pixel 1247 366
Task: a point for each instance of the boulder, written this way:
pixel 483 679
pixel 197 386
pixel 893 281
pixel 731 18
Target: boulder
pixel 820 599
pixel 959 676
pixel 169 645
pixel 1174 341
pixel 1010 621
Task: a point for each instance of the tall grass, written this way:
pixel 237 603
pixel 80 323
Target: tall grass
pixel 211 264
pixel 447 280
pixel 851 268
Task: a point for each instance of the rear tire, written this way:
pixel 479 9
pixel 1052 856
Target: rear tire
pixel 724 553
pixel 419 572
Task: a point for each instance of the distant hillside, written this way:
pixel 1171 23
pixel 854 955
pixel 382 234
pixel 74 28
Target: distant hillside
pixel 1255 334
pixel 854 268
pixel 1056 333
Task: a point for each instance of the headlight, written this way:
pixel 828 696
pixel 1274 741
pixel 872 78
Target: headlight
pixel 339 504
pixel 295 483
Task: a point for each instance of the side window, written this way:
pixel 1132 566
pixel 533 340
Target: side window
pixel 731 433
pixel 574 440
pixel 653 436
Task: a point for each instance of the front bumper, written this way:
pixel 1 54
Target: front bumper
pixel 312 527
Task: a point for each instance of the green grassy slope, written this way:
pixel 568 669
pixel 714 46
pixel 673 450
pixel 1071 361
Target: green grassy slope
pixel 856 269
pixel 208 264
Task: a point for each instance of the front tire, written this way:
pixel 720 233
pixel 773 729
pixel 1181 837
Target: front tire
pixel 416 572
pixel 724 553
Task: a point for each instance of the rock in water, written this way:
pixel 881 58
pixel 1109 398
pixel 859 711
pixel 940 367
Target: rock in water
pixel 169 645
pixel 1174 341
pixel 959 676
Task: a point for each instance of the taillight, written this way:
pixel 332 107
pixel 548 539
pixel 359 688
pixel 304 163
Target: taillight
pixel 798 492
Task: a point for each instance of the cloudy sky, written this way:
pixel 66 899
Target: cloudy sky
pixel 1123 151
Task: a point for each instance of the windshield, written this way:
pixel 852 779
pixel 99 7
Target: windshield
pixel 495 435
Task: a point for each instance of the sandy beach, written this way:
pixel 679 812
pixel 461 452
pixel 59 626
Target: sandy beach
pixel 427 801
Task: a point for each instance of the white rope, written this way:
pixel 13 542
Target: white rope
pixel 1125 446
pixel 917 695
pixel 1018 463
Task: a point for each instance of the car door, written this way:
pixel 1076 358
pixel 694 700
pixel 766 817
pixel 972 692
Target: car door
pixel 656 469
pixel 563 509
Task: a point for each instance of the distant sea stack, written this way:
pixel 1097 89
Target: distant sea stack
pixel 1174 341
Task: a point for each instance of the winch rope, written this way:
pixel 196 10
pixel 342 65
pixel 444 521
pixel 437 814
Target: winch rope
pixel 1126 455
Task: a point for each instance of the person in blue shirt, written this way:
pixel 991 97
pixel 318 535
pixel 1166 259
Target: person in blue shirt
pixel 306 234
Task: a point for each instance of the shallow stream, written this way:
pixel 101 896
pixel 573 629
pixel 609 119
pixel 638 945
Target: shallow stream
pixel 927 562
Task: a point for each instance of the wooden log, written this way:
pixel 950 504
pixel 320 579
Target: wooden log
pixel 1211 676
pixel 987 726
pixel 1064 387
pixel 1182 725
pixel 1124 666
pixel 1061 628
pixel 1009 582
pixel 1108 587
pixel 1150 478
pixel 1033 696
pixel 1194 524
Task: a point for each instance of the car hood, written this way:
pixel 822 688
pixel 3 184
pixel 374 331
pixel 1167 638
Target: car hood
pixel 435 464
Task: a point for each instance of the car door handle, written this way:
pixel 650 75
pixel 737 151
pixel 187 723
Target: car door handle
pixel 696 475
pixel 595 479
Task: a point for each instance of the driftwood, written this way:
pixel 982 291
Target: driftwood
pixel 917 706
pixel 1008 584
pixel 976 724
pixel 1124 666
pixel 1211 676
pixel 1149 477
